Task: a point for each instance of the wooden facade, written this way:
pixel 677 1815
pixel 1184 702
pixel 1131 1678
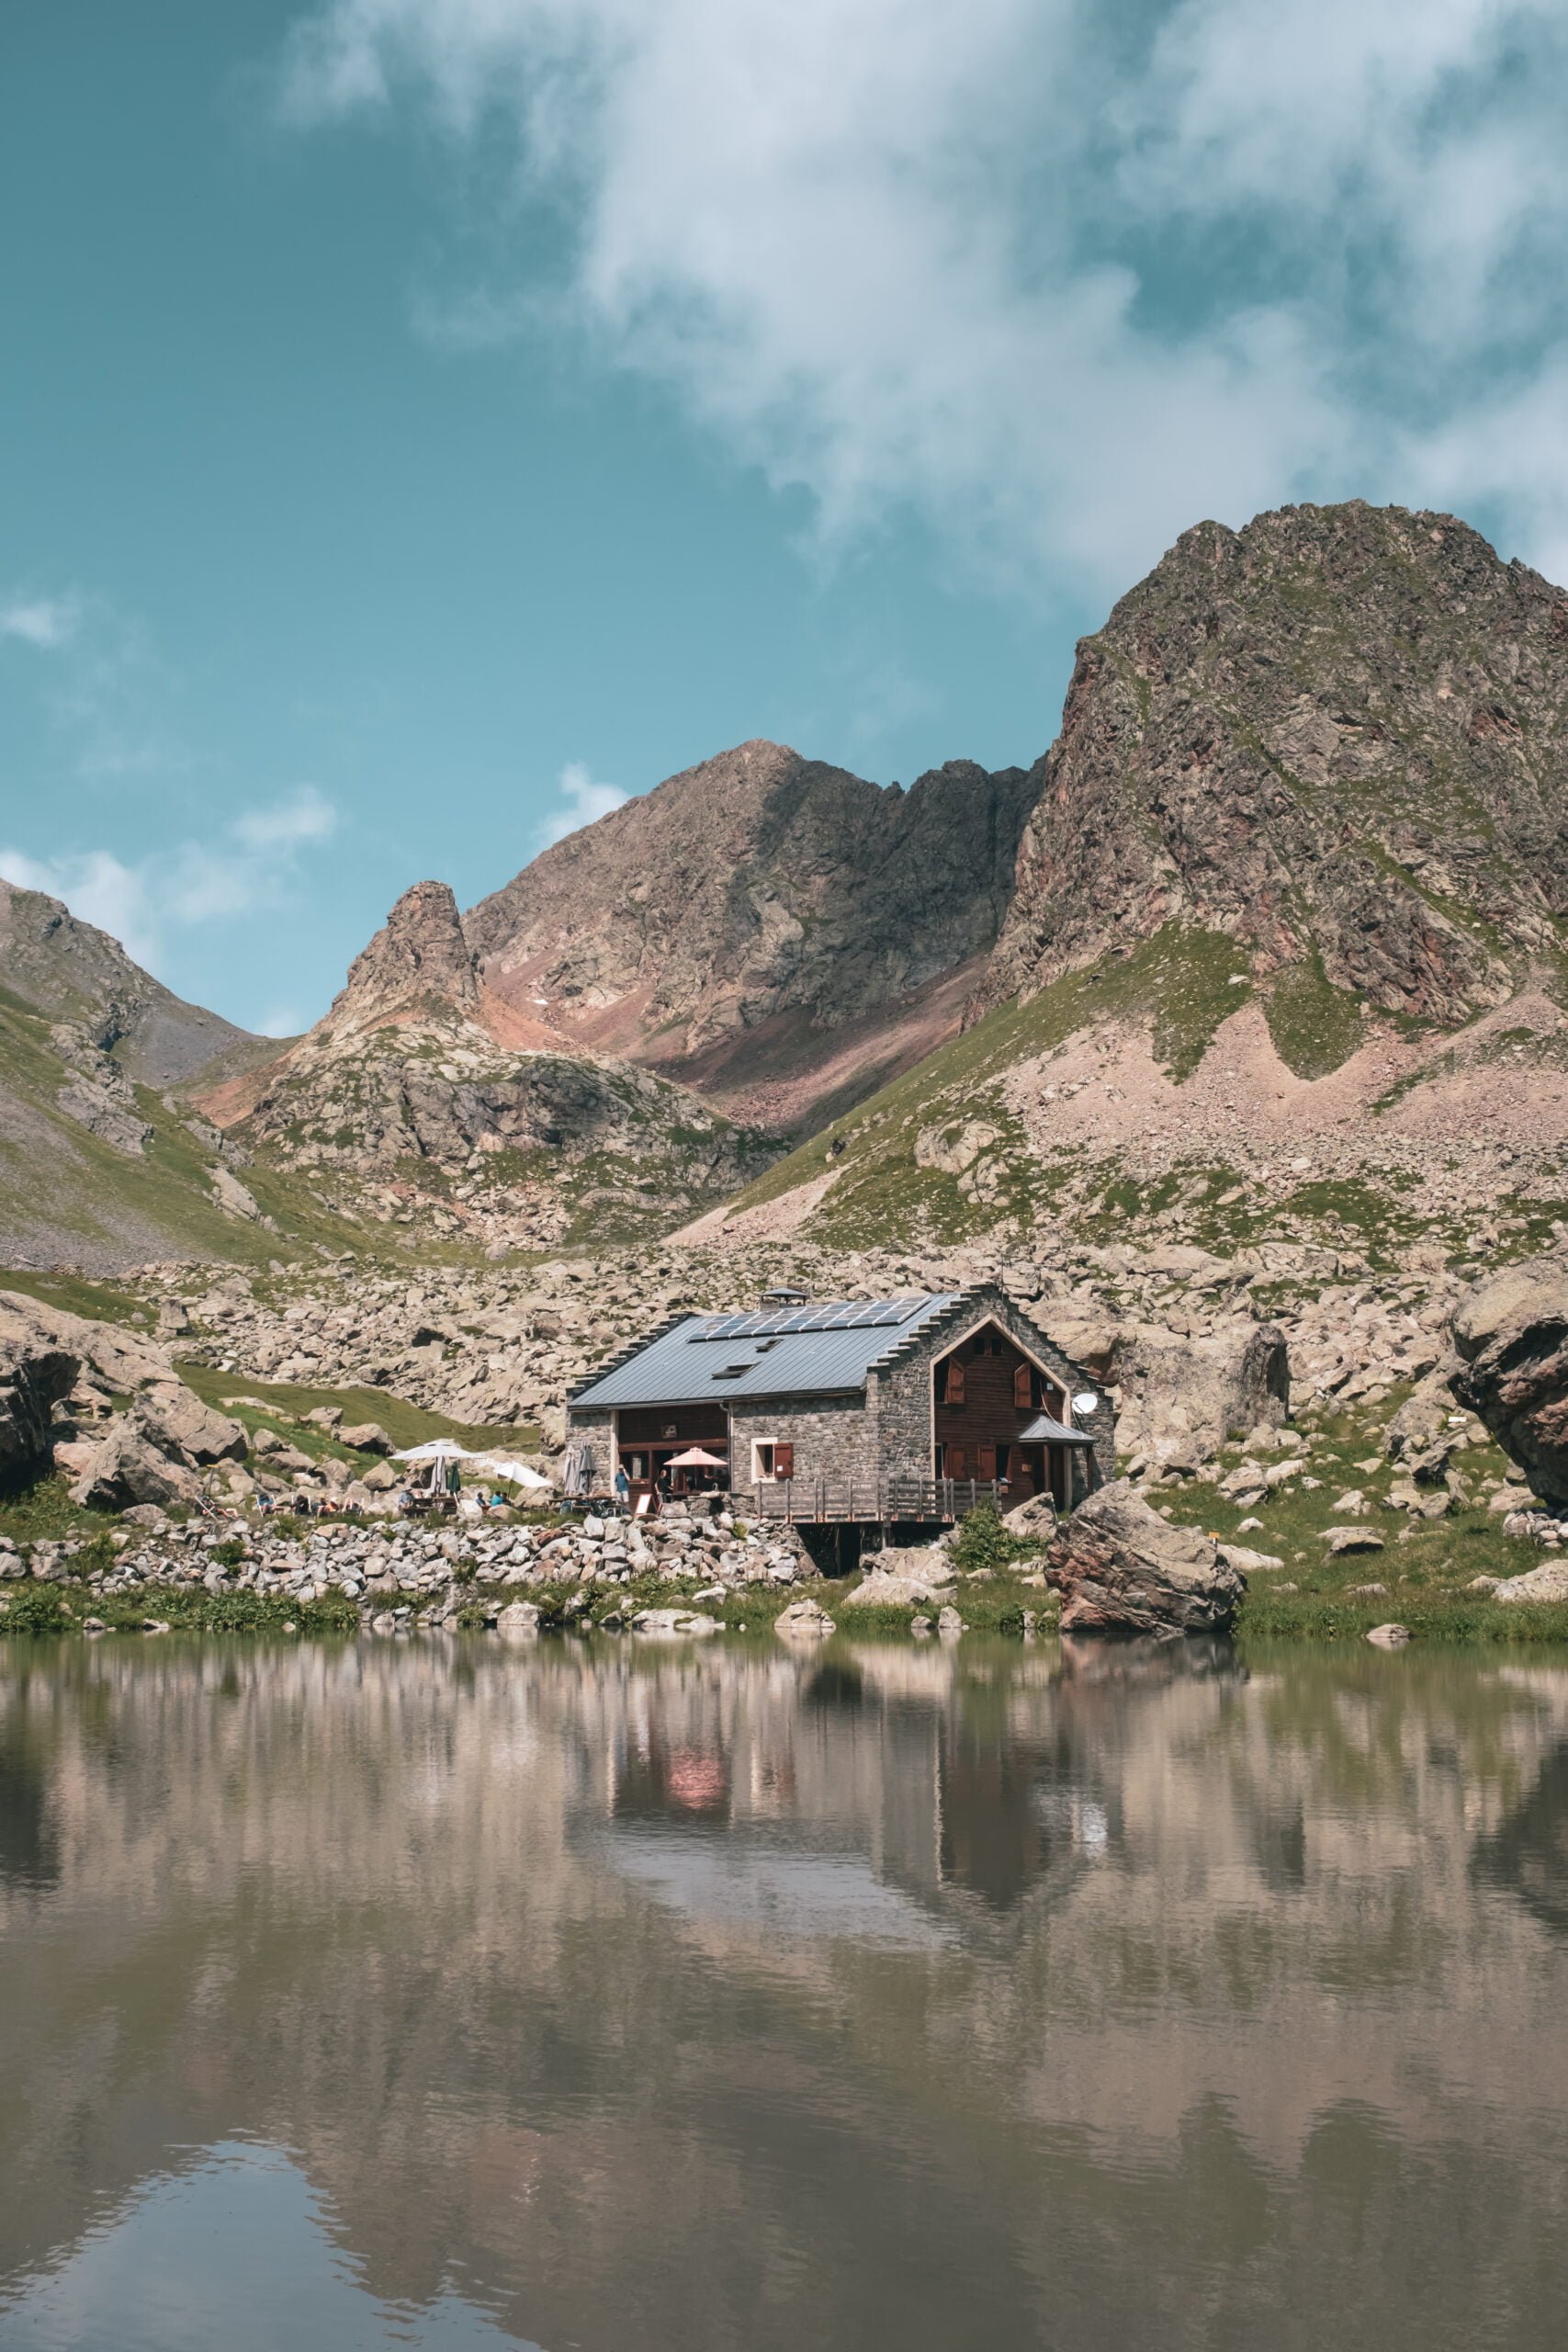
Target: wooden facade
pixel 986 1391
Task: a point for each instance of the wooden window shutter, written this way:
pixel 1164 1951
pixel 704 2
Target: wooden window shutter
pixel 985 1462
pixel 784 1461
pixel 955 1381
pixel 955 1464
pixel 1020 1396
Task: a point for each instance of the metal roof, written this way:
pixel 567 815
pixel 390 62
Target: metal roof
pixel 1043 1430
pixel 704 1360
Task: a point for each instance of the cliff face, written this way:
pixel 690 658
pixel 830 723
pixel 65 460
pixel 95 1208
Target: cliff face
pixel 1337 733
pixel 762 917
pixel 418 962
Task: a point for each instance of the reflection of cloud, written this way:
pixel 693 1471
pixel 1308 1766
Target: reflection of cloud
pixel 240 2231
pixel 736 1882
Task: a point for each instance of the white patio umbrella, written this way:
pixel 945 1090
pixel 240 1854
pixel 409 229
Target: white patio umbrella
pixel 695 1459
pixel 436 1449
pixel 519 1473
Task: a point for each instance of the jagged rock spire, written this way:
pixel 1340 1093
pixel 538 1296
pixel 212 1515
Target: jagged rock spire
pixel 419 961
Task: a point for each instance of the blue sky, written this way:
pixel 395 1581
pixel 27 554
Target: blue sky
pixel 422 421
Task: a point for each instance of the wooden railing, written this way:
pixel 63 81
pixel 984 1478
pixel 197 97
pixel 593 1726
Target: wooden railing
pixel 872 1501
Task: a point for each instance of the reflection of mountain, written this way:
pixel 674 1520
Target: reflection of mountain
pixel 732 1996
pixel 29 1857
pixel 1528 1853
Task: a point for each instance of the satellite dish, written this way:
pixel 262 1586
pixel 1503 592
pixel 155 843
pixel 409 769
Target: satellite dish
pixel 1085 1401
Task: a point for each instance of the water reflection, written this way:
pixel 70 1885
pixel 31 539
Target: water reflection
pixel 1076 1995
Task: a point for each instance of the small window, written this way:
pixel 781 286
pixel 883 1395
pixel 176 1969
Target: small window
pixel 1023 1388
pixel 952 1391
pixel 771 1461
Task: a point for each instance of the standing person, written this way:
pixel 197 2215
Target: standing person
pixel 623 1484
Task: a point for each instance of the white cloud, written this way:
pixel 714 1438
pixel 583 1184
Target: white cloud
pixel 98 888
pixel 141 902
pixel 281 1021
pixel 306 816
pixel 44 622
pixel 582 802
pixel 1063 278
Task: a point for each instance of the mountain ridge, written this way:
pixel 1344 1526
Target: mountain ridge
pixel 1307 814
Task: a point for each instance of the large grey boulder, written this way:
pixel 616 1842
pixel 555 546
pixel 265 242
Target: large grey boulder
pixel 1182 1398
pixel 175 1421
pixel 1549 1582
pixel 1511 1335
pixel 124 1468
pixel 35 1373
pixel 804 1620
pixel 123 1359
pixel 900 1578
pixel 1121 1568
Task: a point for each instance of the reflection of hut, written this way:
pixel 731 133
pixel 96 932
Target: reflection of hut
pixel 868 1411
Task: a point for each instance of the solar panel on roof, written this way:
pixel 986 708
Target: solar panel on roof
pixel 846 1314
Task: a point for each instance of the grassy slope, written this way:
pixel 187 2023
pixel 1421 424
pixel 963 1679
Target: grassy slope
pixel 67 1195
pixel 1182 980
pixel 1183 983
pixel 287 1403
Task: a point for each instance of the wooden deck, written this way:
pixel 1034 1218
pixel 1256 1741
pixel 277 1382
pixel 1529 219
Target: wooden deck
pixel 872 1501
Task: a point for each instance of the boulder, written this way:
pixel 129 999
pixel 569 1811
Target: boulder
pixel 1389 1637
pixel 663 1624
pixel 35 1373
pixel 172 1418
pixel 1121 1568
pixel 884 1589
pixel 1182 1398
pixel 1549 1582
pixel 1351 1539
pixel 1511 1335
pixel 1422 1420
pixel 803 1621
pixel 518 1622
pixel 1033 1520
pixel 126 1469
pixel 123 1359
pixel 1247 1562
pixel 367 1437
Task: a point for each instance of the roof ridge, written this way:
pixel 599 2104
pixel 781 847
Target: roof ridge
pixel 624 1355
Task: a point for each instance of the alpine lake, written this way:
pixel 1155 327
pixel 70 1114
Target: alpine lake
pixel 661 1997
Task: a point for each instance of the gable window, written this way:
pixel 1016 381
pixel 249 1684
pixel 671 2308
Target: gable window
pixel 1023 1394
pixel 950 1382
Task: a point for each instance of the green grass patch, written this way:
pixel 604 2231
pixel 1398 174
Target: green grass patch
pixel 43 1512
pixel 185 1608
pixel 1183 983
pixel 1316 1026
pixel 404 1423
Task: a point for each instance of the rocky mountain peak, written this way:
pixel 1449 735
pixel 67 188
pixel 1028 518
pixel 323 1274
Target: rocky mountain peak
pixel 766 927
pixel 71 971
pixel 1334 735
pixel 418 963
